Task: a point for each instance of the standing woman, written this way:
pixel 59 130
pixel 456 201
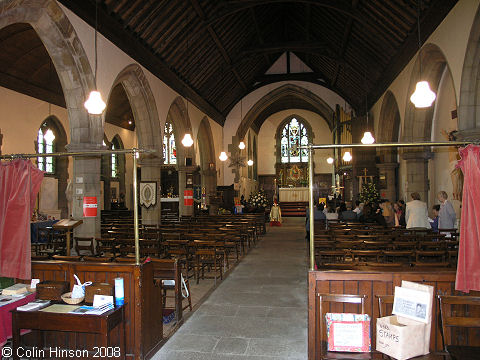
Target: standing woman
pixel 446 216
pixel 417 213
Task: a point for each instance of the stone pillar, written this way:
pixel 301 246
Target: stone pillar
pixel 417 173
pixel 86 182
pixel 182 180
pixel 388 170
pixel 209 182
pixel 151 172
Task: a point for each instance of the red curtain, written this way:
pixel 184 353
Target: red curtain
pixel 468 268
pixel 19 185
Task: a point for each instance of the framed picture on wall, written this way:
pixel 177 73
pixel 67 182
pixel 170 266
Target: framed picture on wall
pixel 148 193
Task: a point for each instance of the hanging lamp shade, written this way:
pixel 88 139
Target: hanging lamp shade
pixel 422 97
pixel 94 104
pixel 347 156
pixel 223 156
pixel 187 140
pixel 367 138
pixel 49 136
pixel 241 146
pixel 250 162
pixel 330 160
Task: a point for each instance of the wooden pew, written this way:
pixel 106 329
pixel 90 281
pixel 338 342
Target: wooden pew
pixel 143 305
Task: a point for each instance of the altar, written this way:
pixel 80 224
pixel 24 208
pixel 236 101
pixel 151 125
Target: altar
pixel 293 194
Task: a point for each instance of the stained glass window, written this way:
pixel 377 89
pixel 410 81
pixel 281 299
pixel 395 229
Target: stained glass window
pixel 46 145
pixel 294 134
pixel 169 148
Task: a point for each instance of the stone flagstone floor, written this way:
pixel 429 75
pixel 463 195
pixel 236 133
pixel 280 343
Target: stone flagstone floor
pixel 259 311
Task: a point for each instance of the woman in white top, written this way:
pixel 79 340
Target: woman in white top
pixel 416 215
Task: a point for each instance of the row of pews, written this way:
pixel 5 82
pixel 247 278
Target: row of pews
pixel 354 244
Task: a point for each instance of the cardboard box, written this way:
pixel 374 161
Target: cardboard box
pixel 400 338
pixel 348 332
pixel 407 333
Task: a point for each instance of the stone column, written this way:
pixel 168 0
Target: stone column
pixel 417 173
pixel 388 170
pixel 151 172
pixel 182 179
pixel 209 182
pixel 85 182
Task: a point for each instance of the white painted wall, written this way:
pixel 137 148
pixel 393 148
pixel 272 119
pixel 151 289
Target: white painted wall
pixel 267 141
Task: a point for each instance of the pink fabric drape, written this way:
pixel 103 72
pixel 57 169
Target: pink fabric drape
pixel 468 268
pixel 19 184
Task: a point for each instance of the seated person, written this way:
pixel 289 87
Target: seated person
pixel 347 215
pixel 434 221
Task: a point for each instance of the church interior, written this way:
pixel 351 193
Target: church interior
pixel 198 163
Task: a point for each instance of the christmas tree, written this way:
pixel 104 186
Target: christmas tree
pixel 369 193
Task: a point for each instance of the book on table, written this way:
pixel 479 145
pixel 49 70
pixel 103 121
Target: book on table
pixel 16 289
pixel 34 305
pixel 92 310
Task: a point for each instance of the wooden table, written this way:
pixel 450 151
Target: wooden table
pixel 67 225
pixel 93 324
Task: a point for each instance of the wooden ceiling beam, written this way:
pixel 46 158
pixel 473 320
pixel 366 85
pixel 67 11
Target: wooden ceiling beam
pixel 428 23
pixel 34 90
pixel 343 47
pixel 259 34
pixel 130 44
pixel 235 6
pixel 216 39
pixel 287 46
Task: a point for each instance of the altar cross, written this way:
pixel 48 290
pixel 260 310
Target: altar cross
pixel 364 178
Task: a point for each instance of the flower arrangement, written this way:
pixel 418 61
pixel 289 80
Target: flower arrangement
pixel 369 193
pixel 258 199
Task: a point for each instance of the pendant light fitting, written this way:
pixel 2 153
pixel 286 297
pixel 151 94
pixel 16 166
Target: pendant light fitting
pixel 422 97
pixel 95 104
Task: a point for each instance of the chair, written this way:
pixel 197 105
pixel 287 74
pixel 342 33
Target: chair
pixel 384 300
pixel 359 300
pixel 457 312
pixel 84 246
pixel 168 269
pixel 66 258
pixel 209 254
pixel 101 259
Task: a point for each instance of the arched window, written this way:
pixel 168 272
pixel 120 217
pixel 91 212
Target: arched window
pixel 169 148
pixel 114 163
pixel 46 145
pixel 294 133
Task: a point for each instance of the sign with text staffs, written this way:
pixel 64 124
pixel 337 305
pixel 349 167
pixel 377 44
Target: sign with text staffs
pixel 188 197
pixel 90 206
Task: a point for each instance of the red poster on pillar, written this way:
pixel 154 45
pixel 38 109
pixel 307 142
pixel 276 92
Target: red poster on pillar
pixel 90 206
pixel 188 197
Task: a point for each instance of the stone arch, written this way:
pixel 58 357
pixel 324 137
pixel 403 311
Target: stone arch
pixel 468 110
pixel 144 109
pixel 418 122
pixel 69 59
pixel 206 150
pixel 205 144
pixel 285 97
pixel 179 118
pixel 61 163
pixel 389 126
